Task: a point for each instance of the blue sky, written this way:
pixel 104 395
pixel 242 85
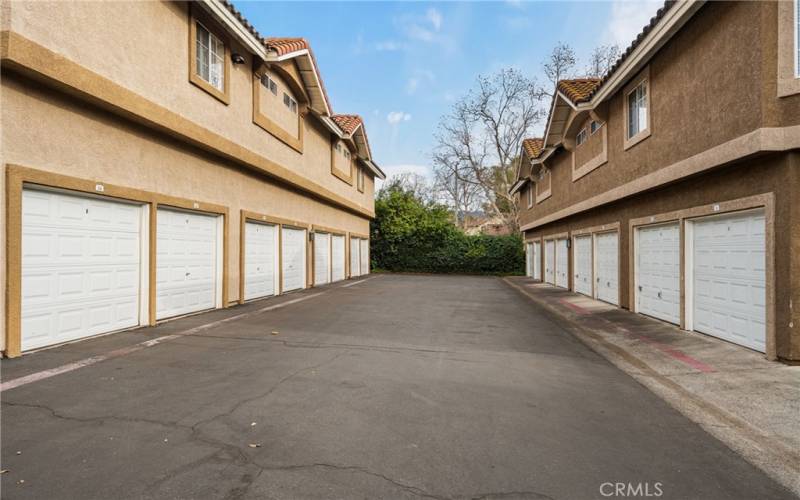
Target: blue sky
pixel 400 65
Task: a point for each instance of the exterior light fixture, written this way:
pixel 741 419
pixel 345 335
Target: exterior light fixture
pixel 237 58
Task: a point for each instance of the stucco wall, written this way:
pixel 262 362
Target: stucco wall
pixel 152 60
pixel 46 130
pixel 707 87
pixel 776 174
pixel 273 107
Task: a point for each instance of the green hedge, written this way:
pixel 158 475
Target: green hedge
pixel 411 236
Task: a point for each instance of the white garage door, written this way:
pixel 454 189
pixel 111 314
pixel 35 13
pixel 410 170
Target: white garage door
pixel 337 257
pixel 607 267
pixel 529 259
pixel 293 258
pixel 537 260
pixel 260 260
pixel 658 272
pixel 729 278
pixel 550 261
pixel 583 265
pixel 81 267
pixel 322 253
pixel 364 256
pixel 187 249
pixel 562 264
pixel 355 259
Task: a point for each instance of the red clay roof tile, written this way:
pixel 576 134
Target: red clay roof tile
pixel 579 89
pixel 533 147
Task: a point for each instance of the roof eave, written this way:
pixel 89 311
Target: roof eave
pixel 313 82
pixel 220 12
pixel 517 186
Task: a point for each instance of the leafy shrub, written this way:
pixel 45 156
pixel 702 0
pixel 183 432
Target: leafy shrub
pixel 409 235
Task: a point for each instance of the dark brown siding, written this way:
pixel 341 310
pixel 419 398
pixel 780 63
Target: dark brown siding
pixel 707 86
pixel 777 173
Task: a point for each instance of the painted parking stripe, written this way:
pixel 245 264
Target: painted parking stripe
pixel 124 351
pixel 355 283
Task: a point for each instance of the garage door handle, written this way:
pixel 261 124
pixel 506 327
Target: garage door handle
pixel 659 295
pixel 640 288
pixel 187 274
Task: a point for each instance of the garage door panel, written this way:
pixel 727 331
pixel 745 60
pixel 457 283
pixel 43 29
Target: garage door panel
pixel 550 262
pixel 537 260
pixel 293 258
pixel 562 263
pixel 186 270
pixel 321 258
pixel 355 257
pixel 583 265
pixel 337 257
pixel 607 267
pixel 80 266
pixel 260 260
pixel 364 255
pixel 658 271
pixel 729 278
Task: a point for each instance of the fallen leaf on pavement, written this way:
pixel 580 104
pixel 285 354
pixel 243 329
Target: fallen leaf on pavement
pixel 255 445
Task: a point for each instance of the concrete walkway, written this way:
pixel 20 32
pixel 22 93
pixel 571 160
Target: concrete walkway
pixel 445 387
pixel 749 403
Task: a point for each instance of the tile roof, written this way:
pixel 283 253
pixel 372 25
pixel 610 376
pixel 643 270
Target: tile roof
pixel 348 123
pixel 578 90
pixel 285 45
pixel 533 147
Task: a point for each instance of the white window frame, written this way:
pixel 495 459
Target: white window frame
pixel 270 84
pixel 594 126
pixel 644 115
pixel 212 54
pixel 531 187
pixel 290 103
pixel 581 137
pixel 638 97
pixel 796 24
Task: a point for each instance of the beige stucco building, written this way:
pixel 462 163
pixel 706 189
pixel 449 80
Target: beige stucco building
pixel 186 165
pixel 671 186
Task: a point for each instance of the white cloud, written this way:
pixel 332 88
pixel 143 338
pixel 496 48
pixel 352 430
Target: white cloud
pixel 390 46
pixel 395 117
pixel 418 77
pixel 422 28
pixel 435 18
pixel 627 20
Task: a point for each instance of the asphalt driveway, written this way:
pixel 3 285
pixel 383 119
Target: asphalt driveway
pixel 394 387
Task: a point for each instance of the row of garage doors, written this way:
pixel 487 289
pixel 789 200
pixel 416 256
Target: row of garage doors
pixel 85 268
pixel 724 271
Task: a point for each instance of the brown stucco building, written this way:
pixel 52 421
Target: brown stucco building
pixel 671 186
pixel 183 165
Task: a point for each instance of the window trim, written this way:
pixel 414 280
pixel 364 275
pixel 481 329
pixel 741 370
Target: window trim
pixel 268 124
pixel 360 181
pixel 197 17
pixel 642 78
pixel 336 148
pixel 531 187
pixel 796 24
pixel 585 134
pixel 599 126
